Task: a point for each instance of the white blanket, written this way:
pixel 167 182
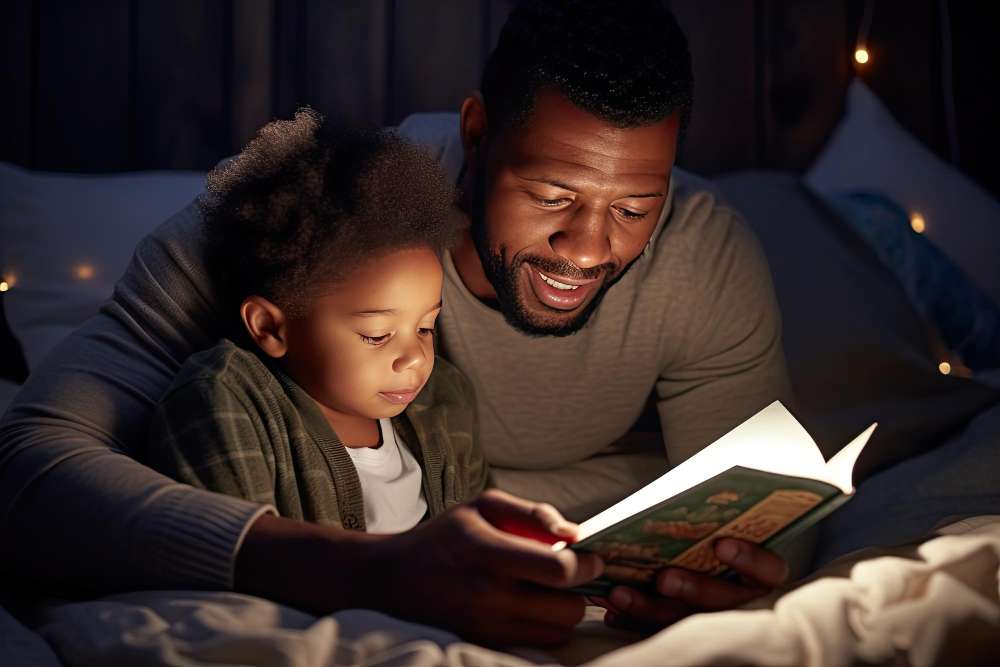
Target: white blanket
pixel 935 604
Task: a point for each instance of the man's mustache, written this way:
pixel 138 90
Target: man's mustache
pixel 566 269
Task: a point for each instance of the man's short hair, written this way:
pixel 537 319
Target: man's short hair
pixel 304 203
pixel 624 61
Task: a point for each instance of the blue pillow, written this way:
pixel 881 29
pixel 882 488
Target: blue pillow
pixel 966 318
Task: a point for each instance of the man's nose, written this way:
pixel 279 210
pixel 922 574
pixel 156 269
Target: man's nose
pixel 585 240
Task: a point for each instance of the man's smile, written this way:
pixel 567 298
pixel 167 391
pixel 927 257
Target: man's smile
pixel 558 292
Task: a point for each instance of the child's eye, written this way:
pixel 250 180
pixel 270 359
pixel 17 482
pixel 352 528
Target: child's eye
pixel 426 331
pixel 375 340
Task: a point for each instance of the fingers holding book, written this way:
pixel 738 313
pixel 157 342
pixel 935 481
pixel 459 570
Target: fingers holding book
pixel 679 593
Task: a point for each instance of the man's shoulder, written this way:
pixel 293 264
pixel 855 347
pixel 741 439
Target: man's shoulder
pixel 697 202
pixel 700 224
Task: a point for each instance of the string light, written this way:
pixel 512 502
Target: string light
pixel 4 286
pixel 944 367
pixel 7 281
pixel 917 223
pixel 84 271
pixel 861 53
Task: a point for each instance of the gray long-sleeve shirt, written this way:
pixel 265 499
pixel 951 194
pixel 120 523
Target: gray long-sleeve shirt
pixel 695 322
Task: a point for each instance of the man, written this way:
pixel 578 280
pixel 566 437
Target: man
pixel 589 279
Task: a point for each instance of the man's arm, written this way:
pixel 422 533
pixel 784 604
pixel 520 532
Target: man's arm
pixel 456 571
pixel 74 505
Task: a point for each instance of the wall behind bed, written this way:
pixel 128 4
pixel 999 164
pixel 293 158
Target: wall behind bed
pixel 118 85
pixel 109 85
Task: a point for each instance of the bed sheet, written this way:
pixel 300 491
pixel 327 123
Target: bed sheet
pixel 932 603
pixel 7 391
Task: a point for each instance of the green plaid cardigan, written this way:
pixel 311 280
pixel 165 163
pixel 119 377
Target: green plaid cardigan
pixel 234 423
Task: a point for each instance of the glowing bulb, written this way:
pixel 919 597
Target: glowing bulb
pixel 83 271
pixel 944 367
pixel 918 223
pixel 4 286
pixel 861 55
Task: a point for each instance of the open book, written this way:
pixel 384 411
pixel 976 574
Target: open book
pixel 763 482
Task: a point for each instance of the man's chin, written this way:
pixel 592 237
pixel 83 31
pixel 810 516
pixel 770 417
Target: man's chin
pixel 537 319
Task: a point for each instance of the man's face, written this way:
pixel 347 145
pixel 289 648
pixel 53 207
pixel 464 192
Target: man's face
pixel 366 348
pixel 562 205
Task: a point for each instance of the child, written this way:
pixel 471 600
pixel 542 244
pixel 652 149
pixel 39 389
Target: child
pixel 324 405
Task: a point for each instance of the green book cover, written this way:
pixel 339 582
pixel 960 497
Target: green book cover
pixel 763 482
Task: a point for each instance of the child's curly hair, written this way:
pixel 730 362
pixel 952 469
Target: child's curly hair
pixel 304 204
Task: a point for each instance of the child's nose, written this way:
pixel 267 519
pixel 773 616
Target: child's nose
pixel 411 357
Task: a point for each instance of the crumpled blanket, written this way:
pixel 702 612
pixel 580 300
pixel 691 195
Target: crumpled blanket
pixel 936 603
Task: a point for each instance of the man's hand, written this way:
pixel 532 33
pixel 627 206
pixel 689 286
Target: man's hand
pixel 487 570
pixel 682 592
pixel 483 569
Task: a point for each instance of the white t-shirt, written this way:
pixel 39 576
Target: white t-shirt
pixel 391 483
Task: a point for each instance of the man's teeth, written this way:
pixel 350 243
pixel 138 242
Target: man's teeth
pixel 556 283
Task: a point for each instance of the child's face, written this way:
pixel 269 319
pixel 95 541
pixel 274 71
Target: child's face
pixel 366 348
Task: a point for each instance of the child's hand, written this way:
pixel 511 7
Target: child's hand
pixel 538 521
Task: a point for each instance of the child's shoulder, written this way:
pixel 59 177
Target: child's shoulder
pixel 225 364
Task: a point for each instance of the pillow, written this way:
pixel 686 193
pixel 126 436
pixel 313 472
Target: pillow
pixel 870 151
pixel 68 238
pixel 967 320
pixel 857 350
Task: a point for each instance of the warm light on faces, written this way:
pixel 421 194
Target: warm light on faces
pixel 570 202
pixel 365 348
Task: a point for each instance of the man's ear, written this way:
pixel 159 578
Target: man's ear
pixel 472 119
pixel 266 324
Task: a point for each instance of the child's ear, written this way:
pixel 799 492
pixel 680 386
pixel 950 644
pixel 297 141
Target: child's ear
pixel 266 324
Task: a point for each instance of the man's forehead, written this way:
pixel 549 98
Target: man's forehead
pixel 559 135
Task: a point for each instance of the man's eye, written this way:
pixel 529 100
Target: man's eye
pixel 426 331
pixel 552 203
pixel 375 340
pixel 631 215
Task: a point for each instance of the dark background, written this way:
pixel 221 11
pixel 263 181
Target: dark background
pixel 109 85
pixel 118 85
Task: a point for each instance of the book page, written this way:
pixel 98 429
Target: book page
pixel 840 468
pixel 772 441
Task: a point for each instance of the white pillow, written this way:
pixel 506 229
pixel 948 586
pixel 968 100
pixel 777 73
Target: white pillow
pixel 870 151
pixel 66 239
